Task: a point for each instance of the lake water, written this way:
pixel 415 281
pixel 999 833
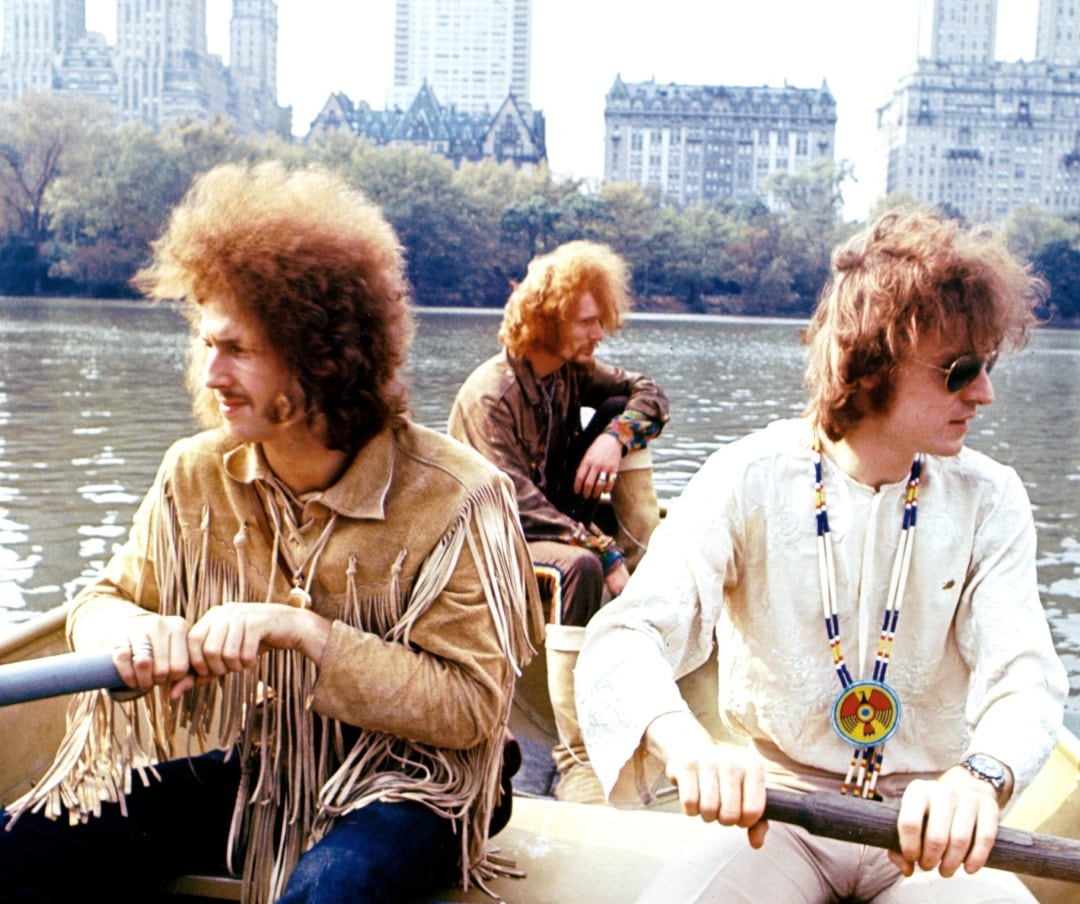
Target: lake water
pixel 92 393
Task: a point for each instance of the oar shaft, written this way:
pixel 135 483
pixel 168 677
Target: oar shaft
pixel 871 823
pixel 53 676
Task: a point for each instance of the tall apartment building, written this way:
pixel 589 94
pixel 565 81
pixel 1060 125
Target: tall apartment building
pixel 35 34
pixel 164 70
pixel 1058 33
pixel 701 142
pixel 980 135
pixel 963 33
pixel 253 41
pixel 159 69
pixel 472 53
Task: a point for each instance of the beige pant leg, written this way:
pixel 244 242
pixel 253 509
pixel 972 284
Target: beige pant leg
pixel 637 510
pixel 987 886
pixel 577 780
pixel 723 868
pixel 794 867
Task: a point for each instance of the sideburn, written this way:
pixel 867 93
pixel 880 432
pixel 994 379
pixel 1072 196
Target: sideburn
pixel 282 410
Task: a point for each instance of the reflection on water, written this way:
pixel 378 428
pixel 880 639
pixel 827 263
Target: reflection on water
pixel 91 395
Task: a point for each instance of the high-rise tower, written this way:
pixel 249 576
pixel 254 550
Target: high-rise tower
pixel 165 72
pixel 473 53
pixel 981 136
pixel 253 33
pixel 958 31
pixel 159 69
pixel 1058 32
pixel 36 34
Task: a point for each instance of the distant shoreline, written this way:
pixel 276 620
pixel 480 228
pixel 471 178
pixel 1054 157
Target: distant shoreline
pixel 655 307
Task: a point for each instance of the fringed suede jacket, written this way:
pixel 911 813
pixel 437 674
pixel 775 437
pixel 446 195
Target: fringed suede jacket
pixel 415 553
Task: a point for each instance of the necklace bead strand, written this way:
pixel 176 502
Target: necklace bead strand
pixel 880 703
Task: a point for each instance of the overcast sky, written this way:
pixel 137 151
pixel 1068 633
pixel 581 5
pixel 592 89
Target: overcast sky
pixel 859 47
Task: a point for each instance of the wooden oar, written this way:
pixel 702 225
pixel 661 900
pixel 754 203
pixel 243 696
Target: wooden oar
pixel 835 815
pixel 52 676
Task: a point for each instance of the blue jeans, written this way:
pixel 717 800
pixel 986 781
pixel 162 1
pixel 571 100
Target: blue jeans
pixel 180 825
pixel 382 853
pixel 174 826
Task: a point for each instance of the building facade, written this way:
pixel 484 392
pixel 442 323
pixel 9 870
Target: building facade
pixel 253 43
pixel 982 136
pixel 35 34
pixel 159 70
pixel 513 134
pixel 965 32
pixel 473 53
pixel 700 143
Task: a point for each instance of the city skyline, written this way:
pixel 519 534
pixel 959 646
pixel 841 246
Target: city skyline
pixel 859 49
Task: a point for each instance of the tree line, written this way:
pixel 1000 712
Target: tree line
pixel 80 202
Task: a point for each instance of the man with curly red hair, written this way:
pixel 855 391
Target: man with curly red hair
pixel 321 606
pixel 522 409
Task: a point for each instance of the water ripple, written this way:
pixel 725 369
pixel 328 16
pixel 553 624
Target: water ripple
pixel 92 394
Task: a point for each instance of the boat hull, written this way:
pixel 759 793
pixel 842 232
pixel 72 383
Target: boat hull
pixel 569 851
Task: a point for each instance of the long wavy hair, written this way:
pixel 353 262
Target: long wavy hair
pixel 318 265
pixel 908 274
pixel 552 285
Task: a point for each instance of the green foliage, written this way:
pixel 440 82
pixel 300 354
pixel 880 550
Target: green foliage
pixel 1059 263
pixel 1052 245
pixel 80 205
pixel 38 140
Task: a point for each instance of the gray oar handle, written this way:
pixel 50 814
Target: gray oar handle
pixel 53 676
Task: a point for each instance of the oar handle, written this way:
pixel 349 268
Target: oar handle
pixel 869 822
pixel 53 676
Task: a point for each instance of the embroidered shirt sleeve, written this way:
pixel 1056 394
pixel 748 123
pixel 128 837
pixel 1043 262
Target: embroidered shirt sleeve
pixel 633 429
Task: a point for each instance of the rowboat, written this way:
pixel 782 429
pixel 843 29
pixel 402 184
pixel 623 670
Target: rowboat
pixel 567 851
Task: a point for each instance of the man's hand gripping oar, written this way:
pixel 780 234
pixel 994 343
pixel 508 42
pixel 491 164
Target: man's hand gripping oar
pixel 718 783
pixel 834 815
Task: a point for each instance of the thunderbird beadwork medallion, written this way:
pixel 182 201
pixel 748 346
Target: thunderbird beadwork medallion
pixel 866 713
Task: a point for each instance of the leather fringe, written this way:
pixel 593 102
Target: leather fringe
pixel 293 790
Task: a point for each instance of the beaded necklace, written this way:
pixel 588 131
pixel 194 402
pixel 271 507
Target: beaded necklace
pixel 867 712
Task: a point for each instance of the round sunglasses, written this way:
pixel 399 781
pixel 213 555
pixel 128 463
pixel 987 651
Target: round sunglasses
pixel 964 370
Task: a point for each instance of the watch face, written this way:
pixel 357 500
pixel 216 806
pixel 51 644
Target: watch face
pixel 988 768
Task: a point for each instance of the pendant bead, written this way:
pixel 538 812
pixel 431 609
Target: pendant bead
pixel 299 598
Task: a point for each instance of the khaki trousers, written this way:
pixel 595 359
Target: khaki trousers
pixel 794 867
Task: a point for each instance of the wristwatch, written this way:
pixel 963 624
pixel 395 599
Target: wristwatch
pixel 989 770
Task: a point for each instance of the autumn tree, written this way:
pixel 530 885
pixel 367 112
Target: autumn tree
pixel 810 202
pixel 117 195
pixel 110 206
pixel 496 261
pixel 419 196
pixel 1028 230
pixel 39 139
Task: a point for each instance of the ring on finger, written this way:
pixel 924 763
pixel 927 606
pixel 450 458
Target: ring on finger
pixel 603 476
pixel 142 649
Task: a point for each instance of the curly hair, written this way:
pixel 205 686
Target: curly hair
pixel 318 265
pixel 909 274
pixel 552 286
